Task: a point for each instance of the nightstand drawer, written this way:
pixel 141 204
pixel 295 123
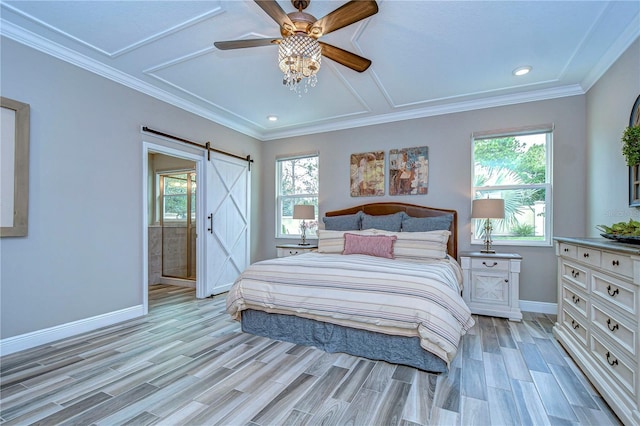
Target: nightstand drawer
pixel 490 264
pixel 294 249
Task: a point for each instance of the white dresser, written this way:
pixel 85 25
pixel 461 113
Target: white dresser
pixel 599 317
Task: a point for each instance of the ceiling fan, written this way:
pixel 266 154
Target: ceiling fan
pixel 299 28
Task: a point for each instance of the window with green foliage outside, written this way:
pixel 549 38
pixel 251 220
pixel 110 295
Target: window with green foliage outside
pixel 296 183
pixel 516 167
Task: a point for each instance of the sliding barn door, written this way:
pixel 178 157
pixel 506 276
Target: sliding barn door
pixel 228 187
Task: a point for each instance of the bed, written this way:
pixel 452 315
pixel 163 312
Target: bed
pixel 383 285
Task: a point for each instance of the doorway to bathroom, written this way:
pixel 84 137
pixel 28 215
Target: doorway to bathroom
pixel 177 191
pixel 172 184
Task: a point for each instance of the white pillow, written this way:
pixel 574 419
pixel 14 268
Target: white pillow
pixel 333 241
pixel 409 245
pixel 421 245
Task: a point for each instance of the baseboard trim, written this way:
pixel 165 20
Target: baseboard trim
pixel 48 335
pixel 540 307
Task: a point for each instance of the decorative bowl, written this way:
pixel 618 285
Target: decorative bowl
pixel 623 238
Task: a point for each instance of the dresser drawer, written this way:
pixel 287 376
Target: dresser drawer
pixel 577 327
pixel 622 371
pixel 618 263
pixel 589 255
pixel 490 264
pixel 574 298
pixel 618 329
pixel 568 250
pixel 618 292
pixel 574 273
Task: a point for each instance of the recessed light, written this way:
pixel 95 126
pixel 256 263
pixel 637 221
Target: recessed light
pixel 522 70
pixel 272 117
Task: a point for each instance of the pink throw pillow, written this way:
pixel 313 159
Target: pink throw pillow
pixel 372 245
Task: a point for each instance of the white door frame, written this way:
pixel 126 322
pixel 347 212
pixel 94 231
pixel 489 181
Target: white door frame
pixel 176 151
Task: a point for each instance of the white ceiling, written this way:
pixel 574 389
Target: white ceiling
pixel 429 57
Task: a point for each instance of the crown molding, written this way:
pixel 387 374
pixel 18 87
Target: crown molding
pixel 27 38
pixel 239 124
pixel 622 43
pixel 430 111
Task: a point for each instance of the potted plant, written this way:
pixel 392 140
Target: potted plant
pixel 631 145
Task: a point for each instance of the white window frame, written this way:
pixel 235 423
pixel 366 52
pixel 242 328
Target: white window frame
pixel 280 198
pixel 547 186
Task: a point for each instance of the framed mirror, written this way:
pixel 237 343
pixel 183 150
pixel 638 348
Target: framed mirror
pixel 14 168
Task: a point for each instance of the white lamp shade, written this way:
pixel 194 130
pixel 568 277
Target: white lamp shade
pixel 488 208
pixel 302 211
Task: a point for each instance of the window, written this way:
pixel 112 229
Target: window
pixel 178 191
pixel 296 183
pixel 515 166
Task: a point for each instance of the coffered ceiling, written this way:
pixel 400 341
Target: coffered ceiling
pixel 429 57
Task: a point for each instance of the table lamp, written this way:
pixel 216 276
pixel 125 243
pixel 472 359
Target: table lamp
pixel 487 209
pixel 304 212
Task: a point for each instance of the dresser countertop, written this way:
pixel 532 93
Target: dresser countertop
pixel 601 243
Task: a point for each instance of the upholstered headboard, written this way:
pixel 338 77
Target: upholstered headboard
pixel 378 209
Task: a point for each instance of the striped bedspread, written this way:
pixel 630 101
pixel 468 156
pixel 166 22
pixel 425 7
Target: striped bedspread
pixel 389 296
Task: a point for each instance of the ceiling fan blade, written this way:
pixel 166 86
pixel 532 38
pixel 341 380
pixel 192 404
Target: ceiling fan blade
pixel 348 59
pixel 346 14
pixel 273 9
pixel 240 44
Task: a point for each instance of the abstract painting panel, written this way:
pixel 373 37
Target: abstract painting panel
pixel 409 171
pixel 367 174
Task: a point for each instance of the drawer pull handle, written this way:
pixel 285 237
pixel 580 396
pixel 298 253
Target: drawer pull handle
pixel 566 250
pixel 614 292
pixel 575 273
pixel 615 263
pixel 574 324
pixel 614 328
pixel 489 266
pixel 585 255
pixel 574 298
pixel 611 363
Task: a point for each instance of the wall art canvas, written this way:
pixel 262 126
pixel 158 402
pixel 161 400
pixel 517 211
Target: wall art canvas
pixel 409 171
pixel 367 174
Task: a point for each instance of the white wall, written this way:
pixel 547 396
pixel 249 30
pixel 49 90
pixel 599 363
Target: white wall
pixel 83 255
pixel 449 141
pixel 609 104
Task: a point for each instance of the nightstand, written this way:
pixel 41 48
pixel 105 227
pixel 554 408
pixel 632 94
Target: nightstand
pixel 285 250
pixel 492 283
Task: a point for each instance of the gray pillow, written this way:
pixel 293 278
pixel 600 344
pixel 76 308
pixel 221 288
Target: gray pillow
pixel 425 224
pixel 388 222
pixel 347 222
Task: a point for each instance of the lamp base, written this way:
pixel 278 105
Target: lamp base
pixel 487 251
pixel 304 244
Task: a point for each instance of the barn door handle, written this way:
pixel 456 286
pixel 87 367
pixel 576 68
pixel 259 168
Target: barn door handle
pixel 210 228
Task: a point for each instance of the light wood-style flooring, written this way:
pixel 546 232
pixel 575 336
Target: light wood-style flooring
pixel 188 363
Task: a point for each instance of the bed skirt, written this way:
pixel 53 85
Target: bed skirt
pixel 334 338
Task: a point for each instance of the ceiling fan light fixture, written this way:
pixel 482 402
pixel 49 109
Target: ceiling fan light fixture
pixel 299 58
